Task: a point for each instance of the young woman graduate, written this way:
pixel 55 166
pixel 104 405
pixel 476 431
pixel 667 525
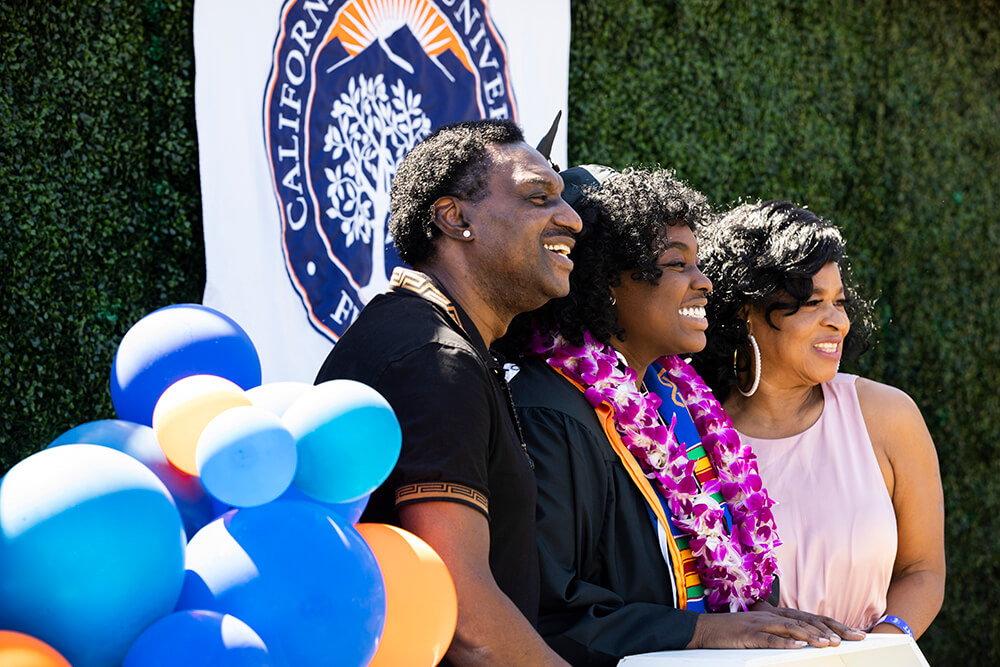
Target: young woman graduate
pixel 649 508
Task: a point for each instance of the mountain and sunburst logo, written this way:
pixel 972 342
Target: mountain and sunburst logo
pixel 354 85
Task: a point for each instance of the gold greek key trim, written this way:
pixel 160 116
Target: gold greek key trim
pixel 424 491
pixel 408 280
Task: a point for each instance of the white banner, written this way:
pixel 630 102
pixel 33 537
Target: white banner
pixel 304 108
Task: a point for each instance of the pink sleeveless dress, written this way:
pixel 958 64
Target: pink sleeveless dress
pixel 833 513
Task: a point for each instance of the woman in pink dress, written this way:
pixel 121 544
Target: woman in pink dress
pixel 849 461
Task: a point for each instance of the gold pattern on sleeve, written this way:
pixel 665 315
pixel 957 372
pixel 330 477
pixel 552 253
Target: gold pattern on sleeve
pixel 448 491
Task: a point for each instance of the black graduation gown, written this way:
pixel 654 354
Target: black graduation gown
pixel 605 589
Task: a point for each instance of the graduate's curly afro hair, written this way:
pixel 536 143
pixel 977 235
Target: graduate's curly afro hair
pixel 625 221
pixel 765 255
pixel 452 161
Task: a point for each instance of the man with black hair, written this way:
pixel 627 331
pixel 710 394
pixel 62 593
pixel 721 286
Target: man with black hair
pixel 478 215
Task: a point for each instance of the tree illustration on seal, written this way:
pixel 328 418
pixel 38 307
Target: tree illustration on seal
pixel 367 138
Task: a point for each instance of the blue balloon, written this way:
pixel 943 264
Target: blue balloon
pixel 198 638
pixel 350 511
pixel 246 457
pixel 91 551
pixel 139 442
pixel 277 396
pixel 173 343
pixel 305 582
pixel 348 440
pixel 218 507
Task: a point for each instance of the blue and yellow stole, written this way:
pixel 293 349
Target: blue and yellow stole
pixel 672 405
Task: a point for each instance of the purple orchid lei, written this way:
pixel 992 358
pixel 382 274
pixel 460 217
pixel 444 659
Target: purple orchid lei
pixel 736 567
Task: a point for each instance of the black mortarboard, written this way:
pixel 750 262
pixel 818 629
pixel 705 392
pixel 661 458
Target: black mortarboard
pixel 576 178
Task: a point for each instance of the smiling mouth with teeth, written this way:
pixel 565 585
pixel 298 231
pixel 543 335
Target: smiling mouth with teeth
pixel 558 248
pixel 697 312
pixel 829 348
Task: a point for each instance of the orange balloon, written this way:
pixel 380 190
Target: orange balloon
pixel 421 607
pixel 21 650
pixel 184 410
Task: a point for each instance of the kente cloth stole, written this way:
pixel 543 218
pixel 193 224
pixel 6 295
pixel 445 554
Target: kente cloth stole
pixel 672 404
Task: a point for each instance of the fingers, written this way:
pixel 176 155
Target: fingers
pixel 788 626
pixel 767 640
pixel 797 630
pixel 845 632
pixel 825 624
pixel 818 635
pixel 761 629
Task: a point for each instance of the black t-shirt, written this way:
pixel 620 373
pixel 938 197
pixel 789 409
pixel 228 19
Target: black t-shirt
pixel 460 442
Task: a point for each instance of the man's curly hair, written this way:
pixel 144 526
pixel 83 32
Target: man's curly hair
pixel 765 254
pixel 452 161
pixel 625 220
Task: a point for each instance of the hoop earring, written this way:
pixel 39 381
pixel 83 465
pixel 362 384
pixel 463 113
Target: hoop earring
pixel 756 365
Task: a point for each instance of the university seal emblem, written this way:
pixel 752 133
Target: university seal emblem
pixel 354 85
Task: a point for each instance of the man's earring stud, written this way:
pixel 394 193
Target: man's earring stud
pixel 466 234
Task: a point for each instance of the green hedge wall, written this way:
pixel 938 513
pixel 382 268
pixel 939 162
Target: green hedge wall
pixel 882 116
pixel 100 203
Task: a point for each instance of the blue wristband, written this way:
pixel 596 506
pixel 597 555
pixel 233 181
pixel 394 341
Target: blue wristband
pixel 898 622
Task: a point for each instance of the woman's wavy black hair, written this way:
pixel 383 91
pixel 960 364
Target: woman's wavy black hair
pixel 765 255
pixel 625 220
